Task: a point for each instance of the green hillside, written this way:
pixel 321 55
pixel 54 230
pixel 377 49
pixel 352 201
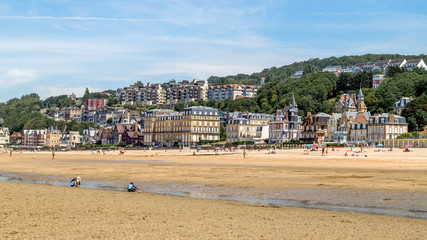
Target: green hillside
pixel 309 66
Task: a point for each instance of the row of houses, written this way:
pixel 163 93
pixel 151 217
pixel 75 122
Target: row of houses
pixel 182 92
pixel 350 123
pixel 44 137
pixel 379 66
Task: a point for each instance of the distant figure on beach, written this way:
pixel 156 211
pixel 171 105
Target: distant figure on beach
pixel 10 153
pixel 132 188
pixel 323 152
pixel 346 154
pixel 75 182
pixel 244 153
pixel 53 155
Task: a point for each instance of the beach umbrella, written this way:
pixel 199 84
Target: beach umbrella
pixel 199 148
pixel 379 145
pixel 308 145
pixel 409 145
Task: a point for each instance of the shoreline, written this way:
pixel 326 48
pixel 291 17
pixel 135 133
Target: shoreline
pixel 401 204
pixel 52 212
pixel 350 178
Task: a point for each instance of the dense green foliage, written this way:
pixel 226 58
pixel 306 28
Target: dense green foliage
pixel 314 92
pixel 24 113
pixel 310 66
pixel 416 113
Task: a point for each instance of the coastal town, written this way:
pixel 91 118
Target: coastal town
pixel 185 119
pixel 351 124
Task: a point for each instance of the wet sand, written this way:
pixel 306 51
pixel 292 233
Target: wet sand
pixel 289 169
pixel 35 211
pixel 200 218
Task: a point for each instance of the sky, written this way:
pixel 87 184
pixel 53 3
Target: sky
pixel 54 47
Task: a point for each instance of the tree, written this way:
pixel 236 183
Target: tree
pixel 87 94
pixel 394 70
pixel 179 107
pixel 416 113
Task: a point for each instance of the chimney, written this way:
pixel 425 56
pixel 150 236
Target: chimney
pixel 391 118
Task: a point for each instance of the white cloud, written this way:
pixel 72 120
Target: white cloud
pixel 72 18
pixel 17 76
pixel 48 91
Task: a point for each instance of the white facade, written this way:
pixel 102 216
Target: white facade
pixel 4 135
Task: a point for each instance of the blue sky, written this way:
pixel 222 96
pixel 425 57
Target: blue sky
pixel 54 47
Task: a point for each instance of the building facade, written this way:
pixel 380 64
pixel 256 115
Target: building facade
pixel 385 126
pixel 4 135
pixel 138 94
pixel 401 104
pixel 333 69
pixel 34 137
pixel 53 137
pixel 377 79
pixel 286 125
pixel 231 91
pixel 186 91
pixel 92 104
pixel 315 127
pixel 171 128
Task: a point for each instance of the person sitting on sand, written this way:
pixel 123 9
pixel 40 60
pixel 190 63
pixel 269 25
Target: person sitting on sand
pixel 75 182
pixel 132 188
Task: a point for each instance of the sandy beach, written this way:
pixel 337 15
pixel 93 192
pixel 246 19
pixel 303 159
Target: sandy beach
pixel 44 211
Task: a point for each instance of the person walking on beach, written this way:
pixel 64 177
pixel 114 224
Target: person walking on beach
pixel 132 188
pixel 10 153
pixel 244 153
pixel 53 154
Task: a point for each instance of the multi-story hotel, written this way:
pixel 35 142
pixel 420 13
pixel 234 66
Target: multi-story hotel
pixel 385 126
pixel 71 113
pixel 171 128
pixel 231 91
pixel 186 91
pixel 34 137
pixel 138 94
pixel 92 104
pixel 249 127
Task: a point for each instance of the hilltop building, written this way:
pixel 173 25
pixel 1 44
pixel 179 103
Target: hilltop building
pixel 186 91
pixel 138 94
pixel 333 69
pixel 401 104
pixel 377 79
pixel 231 91
pixel 92 104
